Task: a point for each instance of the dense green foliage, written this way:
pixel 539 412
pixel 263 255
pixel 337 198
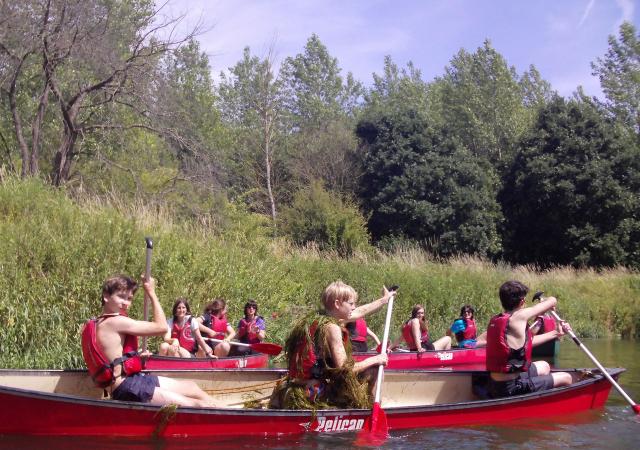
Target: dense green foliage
pixel 572 194
pixel 421 184
pixel 97 98
pixel 55 254
pixel 315 216
pixel 619 73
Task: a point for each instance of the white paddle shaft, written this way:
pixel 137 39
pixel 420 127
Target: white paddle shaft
pixel 383 347
pixel 596 362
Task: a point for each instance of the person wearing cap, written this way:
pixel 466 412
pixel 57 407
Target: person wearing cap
pixel 509 345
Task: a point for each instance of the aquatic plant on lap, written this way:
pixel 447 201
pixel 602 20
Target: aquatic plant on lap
pixel 341 387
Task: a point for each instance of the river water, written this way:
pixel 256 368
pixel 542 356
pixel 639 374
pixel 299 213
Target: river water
pixel 615 427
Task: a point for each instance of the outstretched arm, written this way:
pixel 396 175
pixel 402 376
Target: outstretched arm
pixel 369 308
pixel 157 327
pixel 373 336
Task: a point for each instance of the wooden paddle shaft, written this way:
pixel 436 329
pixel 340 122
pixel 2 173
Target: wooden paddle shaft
pixel 596 362
pixel 147 275
pixel 383 347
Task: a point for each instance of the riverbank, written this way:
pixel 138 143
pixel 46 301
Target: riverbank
pixel 56 252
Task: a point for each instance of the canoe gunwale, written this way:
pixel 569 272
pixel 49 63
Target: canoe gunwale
pixel 391 410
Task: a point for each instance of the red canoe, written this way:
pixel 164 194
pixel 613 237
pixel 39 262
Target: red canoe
pixel 252 361
pixel 455 359
pixel 66 403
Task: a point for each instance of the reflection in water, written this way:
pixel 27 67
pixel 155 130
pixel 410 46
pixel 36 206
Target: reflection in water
pixel 614 427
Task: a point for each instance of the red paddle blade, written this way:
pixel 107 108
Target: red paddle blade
pixel 375 430
pixel 267 348
pixel 636 408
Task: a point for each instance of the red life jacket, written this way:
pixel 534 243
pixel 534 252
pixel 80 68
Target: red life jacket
pixel 184 336
pixel 357 330
pixel 548 324
pixel 500 357
pixel 312 364
pixel 470 330
pixel 100 369
pixel 408 336
pixel 245 333
pixel 217 325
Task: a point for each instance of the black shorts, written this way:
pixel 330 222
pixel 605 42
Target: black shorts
pixel 138 387
pixel 425 345
pixel 359 346
pixel 527 382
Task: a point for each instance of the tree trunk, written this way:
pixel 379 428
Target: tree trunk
pixel 267 154
pixel 17 122
pixel 36 129
pixel 63 157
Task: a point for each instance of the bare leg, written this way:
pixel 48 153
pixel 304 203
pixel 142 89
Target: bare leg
pixel 164 349
pixel 222 349
pixel 183 353
pixel 181 393
pixel 481 341
pixel 542 367
pixel 559 378
pixel 444 343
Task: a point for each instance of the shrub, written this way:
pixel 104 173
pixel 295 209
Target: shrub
pixel 317 216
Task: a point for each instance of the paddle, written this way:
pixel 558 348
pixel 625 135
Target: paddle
pixel 147 275
pixel 375 430
pixel 260 347
pixel 634 405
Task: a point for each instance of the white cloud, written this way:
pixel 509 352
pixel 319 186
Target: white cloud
pixel 586 13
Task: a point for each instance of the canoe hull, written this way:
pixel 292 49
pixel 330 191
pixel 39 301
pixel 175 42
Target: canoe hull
pixel 455 359
pixel 41 413
pixel 252 361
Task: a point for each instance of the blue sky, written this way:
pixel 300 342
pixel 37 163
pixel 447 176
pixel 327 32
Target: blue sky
pixel 560 37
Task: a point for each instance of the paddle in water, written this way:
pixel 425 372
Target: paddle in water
pixel 261 347
pixel 634 405
pixel 375 430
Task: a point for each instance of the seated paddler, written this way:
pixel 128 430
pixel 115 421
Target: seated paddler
pixel 110 350
pixel 322 373
pixel 465 330
pixel 510 342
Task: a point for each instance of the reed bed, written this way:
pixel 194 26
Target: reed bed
pixel 56 250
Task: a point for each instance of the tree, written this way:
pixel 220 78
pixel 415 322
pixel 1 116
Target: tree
pixel 94 58
pixel 419 182
pixel 619 73
pixel 316 94
pixel 571 195
pixel 320 107
pixel 482 102
pixel 251 101
pixel 317 216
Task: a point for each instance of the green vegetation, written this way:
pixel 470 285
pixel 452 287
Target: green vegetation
pixel 55 252
pixel 481 160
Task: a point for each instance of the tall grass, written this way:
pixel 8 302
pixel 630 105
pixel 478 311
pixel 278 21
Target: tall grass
pixel 55 253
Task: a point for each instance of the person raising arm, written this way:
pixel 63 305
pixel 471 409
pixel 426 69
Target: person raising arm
pixel 110 343
pixel 509 344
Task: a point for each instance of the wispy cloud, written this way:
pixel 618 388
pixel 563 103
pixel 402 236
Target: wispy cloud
pixel 586 13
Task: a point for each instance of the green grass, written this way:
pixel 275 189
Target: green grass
pixel 55 253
